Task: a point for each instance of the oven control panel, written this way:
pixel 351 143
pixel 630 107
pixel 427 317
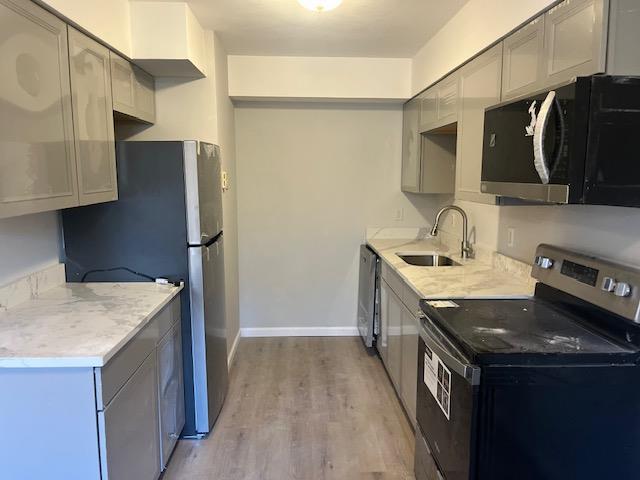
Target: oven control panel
pixel 612 286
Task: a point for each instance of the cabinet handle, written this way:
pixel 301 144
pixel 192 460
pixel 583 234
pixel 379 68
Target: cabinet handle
pixel 174 436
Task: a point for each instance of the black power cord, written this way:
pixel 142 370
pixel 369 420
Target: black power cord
pixel 133 272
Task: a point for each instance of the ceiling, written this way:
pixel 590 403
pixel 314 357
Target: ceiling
pixel 358 28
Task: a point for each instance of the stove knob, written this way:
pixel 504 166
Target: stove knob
pixel 622 289
pixel 544 262
pixel 608 284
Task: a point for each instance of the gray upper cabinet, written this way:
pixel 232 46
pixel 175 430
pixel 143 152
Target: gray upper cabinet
pixel 439 104
pixel 428 109
pixel 133 90
pixel 447 99
pixel 93 119
pixel 575 40
pixel 522 61
pixel 411 147
pixel 480 86
pixel 37 157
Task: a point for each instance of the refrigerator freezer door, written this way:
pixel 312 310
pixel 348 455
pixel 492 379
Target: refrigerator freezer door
pixel 203 191
pixel 208 333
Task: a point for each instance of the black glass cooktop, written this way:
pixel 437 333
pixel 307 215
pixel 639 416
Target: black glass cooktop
pixel 523 331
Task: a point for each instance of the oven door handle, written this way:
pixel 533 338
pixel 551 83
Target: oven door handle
pixel 469 372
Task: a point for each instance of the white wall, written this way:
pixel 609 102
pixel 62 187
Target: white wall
pixel 227 142
pixel 476 26
pixel 108 20
pixel 28 244
pixel 312 177
pixel 319 78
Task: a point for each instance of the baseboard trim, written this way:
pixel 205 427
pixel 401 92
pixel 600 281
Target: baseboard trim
pixel 234 349
pixel 300 332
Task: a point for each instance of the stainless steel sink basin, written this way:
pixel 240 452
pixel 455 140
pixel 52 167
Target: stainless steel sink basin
pixel 428 260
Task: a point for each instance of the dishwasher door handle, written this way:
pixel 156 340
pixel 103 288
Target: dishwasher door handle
pixel 469 372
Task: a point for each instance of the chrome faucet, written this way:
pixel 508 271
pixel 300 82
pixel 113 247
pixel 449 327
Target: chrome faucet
pixel 467 251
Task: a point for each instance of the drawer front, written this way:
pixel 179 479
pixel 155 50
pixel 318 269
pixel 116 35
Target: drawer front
pixel 111 377
pixel 393 279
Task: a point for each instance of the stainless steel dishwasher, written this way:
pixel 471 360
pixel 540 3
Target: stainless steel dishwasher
pixel 368 296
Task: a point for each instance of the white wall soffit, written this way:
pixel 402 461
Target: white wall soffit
pixel 319 78
pixel 167 39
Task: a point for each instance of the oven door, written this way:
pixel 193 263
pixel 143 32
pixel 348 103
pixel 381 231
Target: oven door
pixel 447 403
pixel 534 149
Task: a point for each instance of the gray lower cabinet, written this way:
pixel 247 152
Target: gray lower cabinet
pixel 37 156
pixel 398 340
pixel 93 119
pixel 480 85
pixel 170 391
pixel 116 422
pixel 409 371
pixel 133 90
pixel 128 426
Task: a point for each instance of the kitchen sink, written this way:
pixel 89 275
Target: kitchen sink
pixel 428 260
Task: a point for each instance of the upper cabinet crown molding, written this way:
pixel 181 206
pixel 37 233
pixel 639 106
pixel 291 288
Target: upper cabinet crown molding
pixel 37 155
pixel 167 39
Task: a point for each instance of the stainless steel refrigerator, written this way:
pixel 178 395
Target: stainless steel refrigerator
pixel 167 222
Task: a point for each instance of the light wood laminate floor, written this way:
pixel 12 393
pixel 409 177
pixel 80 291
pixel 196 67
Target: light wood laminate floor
pixel 303 408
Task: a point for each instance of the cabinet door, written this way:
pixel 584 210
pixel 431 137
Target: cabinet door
pixel 122 85
pixel 382 343
pixel 129 439
pixel 93 119
pixel 37 156
pixel 411 147
pixel 522 60
pixel 575 36
pixel 428 109
pixel 480 82
pixel 170 391
pixel 409 370
pixel 145 95
pixel 447 99
pixel 394 316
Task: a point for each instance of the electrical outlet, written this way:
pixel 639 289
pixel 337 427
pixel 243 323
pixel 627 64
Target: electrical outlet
pixel 225 181
pixel 453 220
pixel 511 237
pixel 399 215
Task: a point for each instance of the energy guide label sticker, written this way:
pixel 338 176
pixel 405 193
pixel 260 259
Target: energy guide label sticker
pixel 437 378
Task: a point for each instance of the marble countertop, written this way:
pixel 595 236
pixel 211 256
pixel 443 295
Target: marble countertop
pixel 472 279
pixel 78 325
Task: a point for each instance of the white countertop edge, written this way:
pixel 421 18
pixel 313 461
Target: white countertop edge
pixel 93 361
pixel 443 297
pixel 114 351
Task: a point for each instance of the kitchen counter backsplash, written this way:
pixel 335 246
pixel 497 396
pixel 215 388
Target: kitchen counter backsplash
pixel 31 286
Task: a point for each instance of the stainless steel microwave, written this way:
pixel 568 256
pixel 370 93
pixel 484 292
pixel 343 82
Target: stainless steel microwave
pixel 579 143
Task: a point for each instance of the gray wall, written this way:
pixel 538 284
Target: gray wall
pixel 28 244
pixel 312 177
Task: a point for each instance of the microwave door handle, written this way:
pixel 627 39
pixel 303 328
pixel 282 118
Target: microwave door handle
pixel 539 157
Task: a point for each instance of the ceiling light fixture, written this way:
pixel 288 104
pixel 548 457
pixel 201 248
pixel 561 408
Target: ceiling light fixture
pixel 320 5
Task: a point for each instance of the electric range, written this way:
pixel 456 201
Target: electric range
pixel 546 387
